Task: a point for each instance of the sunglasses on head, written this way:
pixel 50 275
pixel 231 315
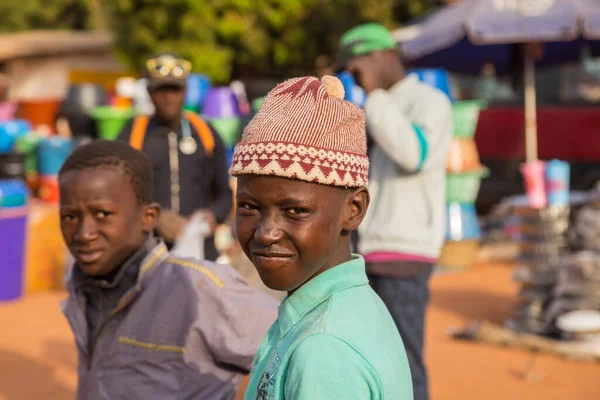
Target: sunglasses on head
pixel 161 67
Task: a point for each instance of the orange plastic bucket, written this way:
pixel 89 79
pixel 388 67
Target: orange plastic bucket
pixel 48 191
pixel 39 112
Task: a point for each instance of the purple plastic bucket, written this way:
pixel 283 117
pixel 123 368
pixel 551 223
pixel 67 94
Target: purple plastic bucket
pixel 13 226
pixel 220 102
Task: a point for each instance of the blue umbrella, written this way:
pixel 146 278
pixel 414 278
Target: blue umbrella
pixel 466 36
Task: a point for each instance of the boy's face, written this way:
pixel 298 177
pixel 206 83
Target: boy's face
pixel 294 230
pixel 102 222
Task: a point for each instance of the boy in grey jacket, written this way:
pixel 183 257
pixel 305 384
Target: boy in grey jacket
pixel 147 325
pixel 402 234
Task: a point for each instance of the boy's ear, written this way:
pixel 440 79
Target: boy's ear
pixel 357 203
pixel 151 214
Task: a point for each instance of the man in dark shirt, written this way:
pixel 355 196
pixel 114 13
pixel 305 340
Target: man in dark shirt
pixel 187 155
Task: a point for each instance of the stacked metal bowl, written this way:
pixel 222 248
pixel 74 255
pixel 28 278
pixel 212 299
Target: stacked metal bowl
pixel 542 238
pixel 578 278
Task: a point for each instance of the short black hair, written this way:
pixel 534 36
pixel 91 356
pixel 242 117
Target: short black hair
pixel 105 153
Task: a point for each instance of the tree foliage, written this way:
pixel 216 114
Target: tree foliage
pixel 43 14
pixel 223 38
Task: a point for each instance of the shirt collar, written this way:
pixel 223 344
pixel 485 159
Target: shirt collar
pixel 320 288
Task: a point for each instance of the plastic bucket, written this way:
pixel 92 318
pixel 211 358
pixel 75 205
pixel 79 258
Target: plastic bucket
pixel 13 223
pixel 463 156
pixel 49 190
pixel 558 175
pixel 436 77
pixel 462 222
pixel 465 115
pixel 535 183
pixel 10 131
pixel 464 187
pixel 52 153
pixel 221 102
pixel 142 101
pixel 125 87
pixel 257 103
pixel 111 120
pixel 27 145
pixel 13 193
pixel 197 88
pixel 352 92
pixel 229 129
pixel 85 97
pixel 7 111
pixel 12 166
pixel 80 121
pixel 39 112
pixel 46 254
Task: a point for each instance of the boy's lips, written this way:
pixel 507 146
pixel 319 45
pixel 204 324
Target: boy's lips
pixel 271 259
pixel 269 254
pixel 87 256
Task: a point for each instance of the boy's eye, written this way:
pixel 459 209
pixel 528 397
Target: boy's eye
pixel 247 206
pixel 102 214
pixel 67 217
pixel 297 211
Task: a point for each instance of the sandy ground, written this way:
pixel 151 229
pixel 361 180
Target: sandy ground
pixel 37 357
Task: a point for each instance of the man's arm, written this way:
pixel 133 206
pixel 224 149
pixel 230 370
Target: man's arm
pixel 223 197
pixel 325 367
pixel 412 147
pixel 233 318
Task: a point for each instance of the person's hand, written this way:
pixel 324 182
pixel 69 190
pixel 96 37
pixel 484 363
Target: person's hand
pixel 171 225
pixel 365 71
pixel 209 217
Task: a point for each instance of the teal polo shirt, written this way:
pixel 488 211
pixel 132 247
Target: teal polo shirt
pixel 333 339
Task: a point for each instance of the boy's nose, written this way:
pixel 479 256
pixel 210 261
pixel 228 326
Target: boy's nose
pixel 87 230
pixel 268 232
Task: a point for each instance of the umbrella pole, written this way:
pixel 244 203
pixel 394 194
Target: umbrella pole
pixel 530 107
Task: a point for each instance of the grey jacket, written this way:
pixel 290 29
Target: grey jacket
pixel 186 330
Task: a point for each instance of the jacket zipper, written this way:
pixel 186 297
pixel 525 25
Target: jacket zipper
pixel 174 170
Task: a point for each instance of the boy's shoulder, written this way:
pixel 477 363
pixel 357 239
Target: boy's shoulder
pixel 201 273
pixel 371 335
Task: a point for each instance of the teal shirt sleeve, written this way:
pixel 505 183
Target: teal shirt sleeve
pixel 325 367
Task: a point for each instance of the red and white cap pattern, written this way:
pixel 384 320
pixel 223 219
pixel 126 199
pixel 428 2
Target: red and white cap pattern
pixel 306 131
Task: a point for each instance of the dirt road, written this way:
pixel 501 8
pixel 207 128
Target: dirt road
pixel 38 360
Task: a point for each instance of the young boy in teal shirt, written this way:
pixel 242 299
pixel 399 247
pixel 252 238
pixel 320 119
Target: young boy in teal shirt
pixel 302 173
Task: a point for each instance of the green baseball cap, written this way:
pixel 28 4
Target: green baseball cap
pixel 364 39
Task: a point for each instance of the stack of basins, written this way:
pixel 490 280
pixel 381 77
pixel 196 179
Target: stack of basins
pixel 464 174
pixel 578 281
pixel 577 287
pixel 542 238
